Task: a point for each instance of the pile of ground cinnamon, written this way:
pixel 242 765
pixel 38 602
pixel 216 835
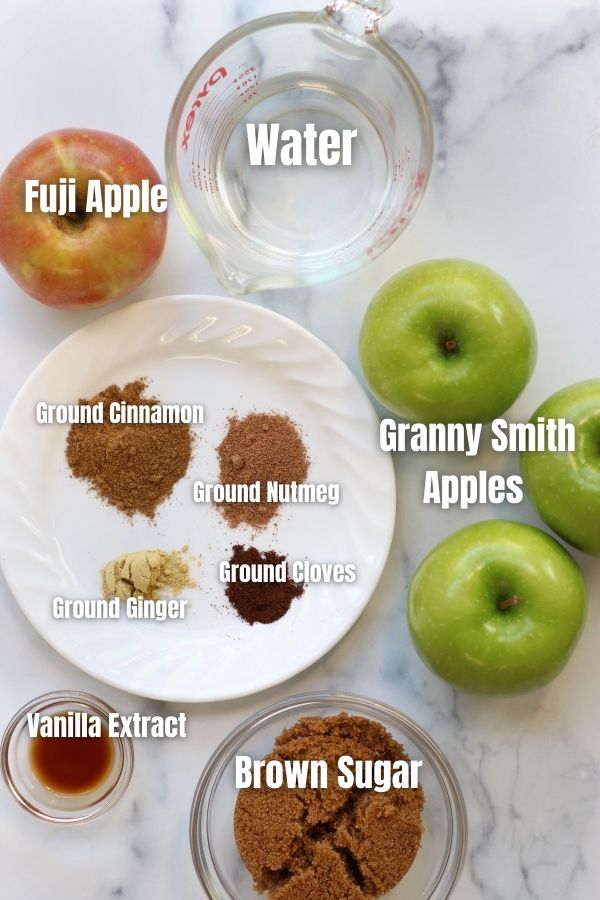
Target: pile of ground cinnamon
pixel 132 467
pixel 260 601
pixel 260 447
pixel 329 843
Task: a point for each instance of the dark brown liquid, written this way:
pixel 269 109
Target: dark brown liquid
pixel 71 765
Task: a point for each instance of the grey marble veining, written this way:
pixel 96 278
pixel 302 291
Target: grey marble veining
pixel 514 90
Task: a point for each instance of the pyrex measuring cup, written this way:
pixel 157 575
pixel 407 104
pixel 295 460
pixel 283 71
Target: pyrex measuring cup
pixel 288 225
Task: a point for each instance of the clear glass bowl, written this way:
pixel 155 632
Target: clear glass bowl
pixel 439 862
pixel 35 797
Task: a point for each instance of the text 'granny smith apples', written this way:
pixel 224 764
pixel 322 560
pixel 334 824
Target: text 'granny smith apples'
pixel 447 341
pixel 497 608
pixel 565 486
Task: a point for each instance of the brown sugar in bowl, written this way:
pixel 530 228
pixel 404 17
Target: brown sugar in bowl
pixel 438 864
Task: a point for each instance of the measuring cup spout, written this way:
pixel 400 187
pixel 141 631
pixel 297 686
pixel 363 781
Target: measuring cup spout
pixel 237 282
pixel 358 16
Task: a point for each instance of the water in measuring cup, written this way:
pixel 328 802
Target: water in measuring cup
pixel 300 211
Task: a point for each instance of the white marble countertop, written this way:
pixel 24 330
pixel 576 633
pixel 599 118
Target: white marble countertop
pixel 515 91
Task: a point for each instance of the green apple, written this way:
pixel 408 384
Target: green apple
pixel 497 608
pixel 565 486
pixel 447 341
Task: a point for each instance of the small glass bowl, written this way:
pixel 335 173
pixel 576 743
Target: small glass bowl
pixel 438 864
pixel 36 798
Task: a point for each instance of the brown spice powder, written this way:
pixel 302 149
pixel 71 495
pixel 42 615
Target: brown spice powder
pixel 260 601
pixel 260 447
pixel 132 467
pixel 333 843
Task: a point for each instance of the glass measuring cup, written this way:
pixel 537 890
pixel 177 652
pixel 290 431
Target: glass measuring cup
pixel 273 226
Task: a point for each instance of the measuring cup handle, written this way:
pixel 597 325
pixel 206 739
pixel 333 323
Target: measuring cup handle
pixel 358 16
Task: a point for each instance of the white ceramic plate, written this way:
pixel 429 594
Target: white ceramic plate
pixel 55 535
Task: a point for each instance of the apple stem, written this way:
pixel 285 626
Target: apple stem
pixel 77 216
pixel 449 345
pixel 75 221
pixel 508 602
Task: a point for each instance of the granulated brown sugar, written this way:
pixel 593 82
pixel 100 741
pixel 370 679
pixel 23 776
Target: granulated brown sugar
pixel 132 467
pixel 260 447
pixel 256 601
pixel 333 843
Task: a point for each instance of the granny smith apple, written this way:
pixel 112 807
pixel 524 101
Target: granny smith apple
pixel 565 486
pixel 497 608
pixel 447 341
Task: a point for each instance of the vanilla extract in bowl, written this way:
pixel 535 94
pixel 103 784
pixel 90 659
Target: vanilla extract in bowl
pixel 60 761
pixel 72 765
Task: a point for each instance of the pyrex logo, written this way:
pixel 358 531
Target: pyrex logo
pixel 217 75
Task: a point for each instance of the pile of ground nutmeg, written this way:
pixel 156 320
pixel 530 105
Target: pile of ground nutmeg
pixel 260 447
pixel 329 843
pixel 261 601
pixel 132 467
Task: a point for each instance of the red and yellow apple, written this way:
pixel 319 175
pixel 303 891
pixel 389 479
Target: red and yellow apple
pixel 80 259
